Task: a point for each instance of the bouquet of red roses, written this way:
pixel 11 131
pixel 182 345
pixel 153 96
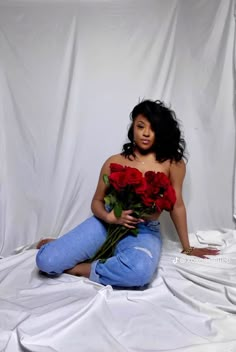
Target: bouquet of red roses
pixel 129 189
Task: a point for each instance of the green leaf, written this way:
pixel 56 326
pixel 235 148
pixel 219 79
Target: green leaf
pixel 118 210
pixel 136 213
pixel 137 206
pixel 134 231
pixel 110 199
pixel 106 179
pixel 107 200
pixel 113 199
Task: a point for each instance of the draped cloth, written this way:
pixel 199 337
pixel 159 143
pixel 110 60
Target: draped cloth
pixel 70 73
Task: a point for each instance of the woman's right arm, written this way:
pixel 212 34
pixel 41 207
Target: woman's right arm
pixel 98 205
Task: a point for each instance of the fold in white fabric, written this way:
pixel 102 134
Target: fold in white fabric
pixel 189 307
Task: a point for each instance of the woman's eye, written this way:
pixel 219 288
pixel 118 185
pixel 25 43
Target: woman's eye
pixel 140 126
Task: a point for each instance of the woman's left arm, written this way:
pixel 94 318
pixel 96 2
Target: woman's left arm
pixel 178 214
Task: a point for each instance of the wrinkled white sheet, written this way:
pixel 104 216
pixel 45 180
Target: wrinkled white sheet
pixel 70 72
pixel 189 307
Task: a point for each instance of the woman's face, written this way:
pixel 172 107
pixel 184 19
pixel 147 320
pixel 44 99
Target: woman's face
pixel 144 136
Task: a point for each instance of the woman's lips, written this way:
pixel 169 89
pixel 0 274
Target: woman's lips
pixel 145 141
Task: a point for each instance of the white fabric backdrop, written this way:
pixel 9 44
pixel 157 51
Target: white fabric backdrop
pixel 71 72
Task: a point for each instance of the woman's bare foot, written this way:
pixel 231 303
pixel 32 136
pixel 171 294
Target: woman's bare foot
pixel 44 241
pixel 82 269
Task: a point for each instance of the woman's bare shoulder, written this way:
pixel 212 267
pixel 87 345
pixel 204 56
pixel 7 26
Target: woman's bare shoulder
pixel 177 169
pixel 116 158
pixel 178 165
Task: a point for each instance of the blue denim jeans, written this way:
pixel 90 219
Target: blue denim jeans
pixel 133 264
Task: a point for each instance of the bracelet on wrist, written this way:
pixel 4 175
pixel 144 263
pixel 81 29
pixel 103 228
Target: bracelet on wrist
pixel 187 251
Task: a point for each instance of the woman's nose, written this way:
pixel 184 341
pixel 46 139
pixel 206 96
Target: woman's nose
pixel 146 132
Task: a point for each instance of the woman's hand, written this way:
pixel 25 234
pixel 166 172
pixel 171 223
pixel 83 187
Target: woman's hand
pixel 202 252
pixel 125 219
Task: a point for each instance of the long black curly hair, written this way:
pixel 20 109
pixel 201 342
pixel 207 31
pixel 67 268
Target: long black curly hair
pixel 169 143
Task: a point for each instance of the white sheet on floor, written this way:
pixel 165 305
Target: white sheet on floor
pixel 189 307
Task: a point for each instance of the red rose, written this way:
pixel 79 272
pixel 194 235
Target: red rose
pixel 156 181
pixel 133 176
pixel 116 167
pixel 147 200
pixel 162 180
pixel 153 189
pixel 170 198
pixel 167 200
pixel 160 203
pixel 150 176
pixel 141 188
pixel 118 180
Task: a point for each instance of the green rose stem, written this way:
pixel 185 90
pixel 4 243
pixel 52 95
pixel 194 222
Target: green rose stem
pixel 114 235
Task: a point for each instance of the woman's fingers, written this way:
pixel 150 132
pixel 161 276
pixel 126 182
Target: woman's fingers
pixel 202 252
pixel 126 219
pixel 129 224
pixel 211 251
pixel 129 218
